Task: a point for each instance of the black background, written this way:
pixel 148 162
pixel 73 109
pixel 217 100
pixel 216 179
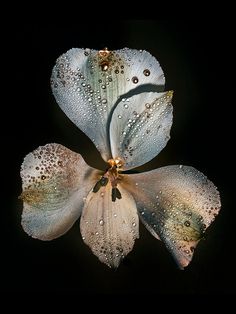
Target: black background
pixel 197 60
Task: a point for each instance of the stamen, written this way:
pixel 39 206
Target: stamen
pixel 102 182
pixel 97 187
pixel 115 193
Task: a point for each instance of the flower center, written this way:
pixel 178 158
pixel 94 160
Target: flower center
pixel 112 176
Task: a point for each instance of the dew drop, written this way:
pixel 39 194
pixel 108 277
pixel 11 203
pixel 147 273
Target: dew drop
pixel 115 215
pixel 103 86
pixel 119 116
pixel 126 106
pixel 97 233
pixel 104 101
pixel 101 222
pixel 43 177
pixel 134 224
pixel 148 106
pixel 180 166
pixel 135 79
pixel 116 71
pixel 87 52
pixel 146 72
pixel 104 66
pixel 136 183
pixel 187 223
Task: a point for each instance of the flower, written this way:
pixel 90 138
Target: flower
pixel 105 93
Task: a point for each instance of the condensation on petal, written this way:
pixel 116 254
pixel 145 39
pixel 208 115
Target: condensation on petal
pixel 54 181
pixel 87 83
pixel 177 204
pixel 109 228
pixel 140 128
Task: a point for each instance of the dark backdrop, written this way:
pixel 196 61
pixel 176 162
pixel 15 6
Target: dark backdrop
pixel 197 59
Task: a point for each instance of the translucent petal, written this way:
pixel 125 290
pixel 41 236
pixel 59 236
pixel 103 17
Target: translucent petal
pixel 140 128
pixel 109 228
pixel 177 204
pixel 87 83
pixel 55 180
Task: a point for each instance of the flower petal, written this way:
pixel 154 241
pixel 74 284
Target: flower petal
pixel 140 128
pixel 109 227
pixel 55 180
pixel 87 83
pixel 177 204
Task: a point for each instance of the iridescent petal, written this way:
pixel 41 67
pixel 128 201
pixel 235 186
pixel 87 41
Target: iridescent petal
pixel 109 227
pixel 140 128
pixel 177 204
pixel 87 83
pixel 55 181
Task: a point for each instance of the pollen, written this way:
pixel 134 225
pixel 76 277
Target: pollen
pixel 116 163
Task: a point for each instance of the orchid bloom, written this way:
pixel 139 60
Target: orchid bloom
pixel 175 203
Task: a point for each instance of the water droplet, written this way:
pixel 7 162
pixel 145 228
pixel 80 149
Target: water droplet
pixel 187 223
pixel 103 86
pixel 87 52
pixel 134 224
pixel 97 233
pixel 101 222
pixel 153 214
pixel 102 194
pixel 104 101
pixel 136 183
pixel 146 72
pixel 157 196
pixel 126 106
pixel 117 71
pixel 104 66
pixel 148 106
pixel 43 177
pixel 180 166
pixel 142 213
pixel 135 79
pixel 119 116
pixel 115 215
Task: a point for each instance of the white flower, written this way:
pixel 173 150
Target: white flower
pixel 175 203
